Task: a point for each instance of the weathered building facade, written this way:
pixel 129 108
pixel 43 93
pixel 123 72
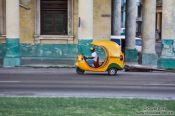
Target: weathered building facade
pixel 56 30
pixel 167 58
pixel 50 29
pixel 156 16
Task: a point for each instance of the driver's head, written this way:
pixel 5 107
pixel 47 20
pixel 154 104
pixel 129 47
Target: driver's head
pixel 92 49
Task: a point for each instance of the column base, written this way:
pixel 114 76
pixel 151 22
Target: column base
pixel 12 53
pixel 166 63
pixel 149 59
pixel 11 62
pixel 131 55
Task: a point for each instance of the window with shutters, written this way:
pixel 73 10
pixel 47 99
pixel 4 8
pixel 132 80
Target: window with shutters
pixel 54 15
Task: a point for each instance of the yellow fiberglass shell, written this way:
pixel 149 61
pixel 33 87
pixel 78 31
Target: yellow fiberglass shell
pixel 113 53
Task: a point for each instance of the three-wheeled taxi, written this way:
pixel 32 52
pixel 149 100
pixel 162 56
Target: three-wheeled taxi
pixel 113 61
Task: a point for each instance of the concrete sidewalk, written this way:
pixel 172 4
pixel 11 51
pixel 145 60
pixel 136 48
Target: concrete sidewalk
pixel 70 63
pixel 50 68
pixel 34 70
pixel 133 67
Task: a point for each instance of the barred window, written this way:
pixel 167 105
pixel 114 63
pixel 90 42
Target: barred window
pixel 54 17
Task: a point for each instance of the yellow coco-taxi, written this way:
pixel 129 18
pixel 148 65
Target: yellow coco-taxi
pixel 113 61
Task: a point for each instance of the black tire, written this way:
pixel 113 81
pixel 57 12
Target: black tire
pixel 112 71
pixel 80 71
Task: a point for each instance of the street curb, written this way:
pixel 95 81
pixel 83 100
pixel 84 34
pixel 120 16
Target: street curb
pixel 91 97
pixel 48 66
pixel 143 68
pixel 127 68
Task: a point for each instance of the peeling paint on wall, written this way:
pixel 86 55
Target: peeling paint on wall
pixel 168 48
pixel 49 50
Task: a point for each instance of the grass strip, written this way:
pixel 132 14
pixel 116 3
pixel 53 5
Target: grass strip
pixel 85 107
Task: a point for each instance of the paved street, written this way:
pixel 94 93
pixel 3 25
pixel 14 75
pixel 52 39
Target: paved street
pixel 64 82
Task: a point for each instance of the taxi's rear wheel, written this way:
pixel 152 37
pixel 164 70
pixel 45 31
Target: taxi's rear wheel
pixel 112 71
pixel 80 71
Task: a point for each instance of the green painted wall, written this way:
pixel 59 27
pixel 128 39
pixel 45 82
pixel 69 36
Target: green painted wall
pixel 12 48
pixel 49 50
pixel 2 49
pixel 84 47
pixel 54 51
pixel 40 51
pixel 167 59
pixel 168 48
pixel 131 55
pixel 45 50
pixel 12 53
pixel 167 63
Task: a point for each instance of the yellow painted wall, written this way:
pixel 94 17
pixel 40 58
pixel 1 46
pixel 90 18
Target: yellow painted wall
pixel 102 19
pixel 27 24
pixel 2 14
pixel 75 20
pixel 27 21
pixel 101 28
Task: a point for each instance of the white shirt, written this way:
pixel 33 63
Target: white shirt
pixel 94 55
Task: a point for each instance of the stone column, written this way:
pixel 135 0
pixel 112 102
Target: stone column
pixel 123 13
pixel 116 17
pixel 167 59
pixel 149 56
pixel 131 54
pixel 85 30
pixel 1 17
pixel 12 53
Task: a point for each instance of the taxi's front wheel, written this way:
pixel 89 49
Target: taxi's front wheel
pixel 112 71
pixel 79 71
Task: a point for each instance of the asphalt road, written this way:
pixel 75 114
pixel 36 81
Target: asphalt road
pixel 66 83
